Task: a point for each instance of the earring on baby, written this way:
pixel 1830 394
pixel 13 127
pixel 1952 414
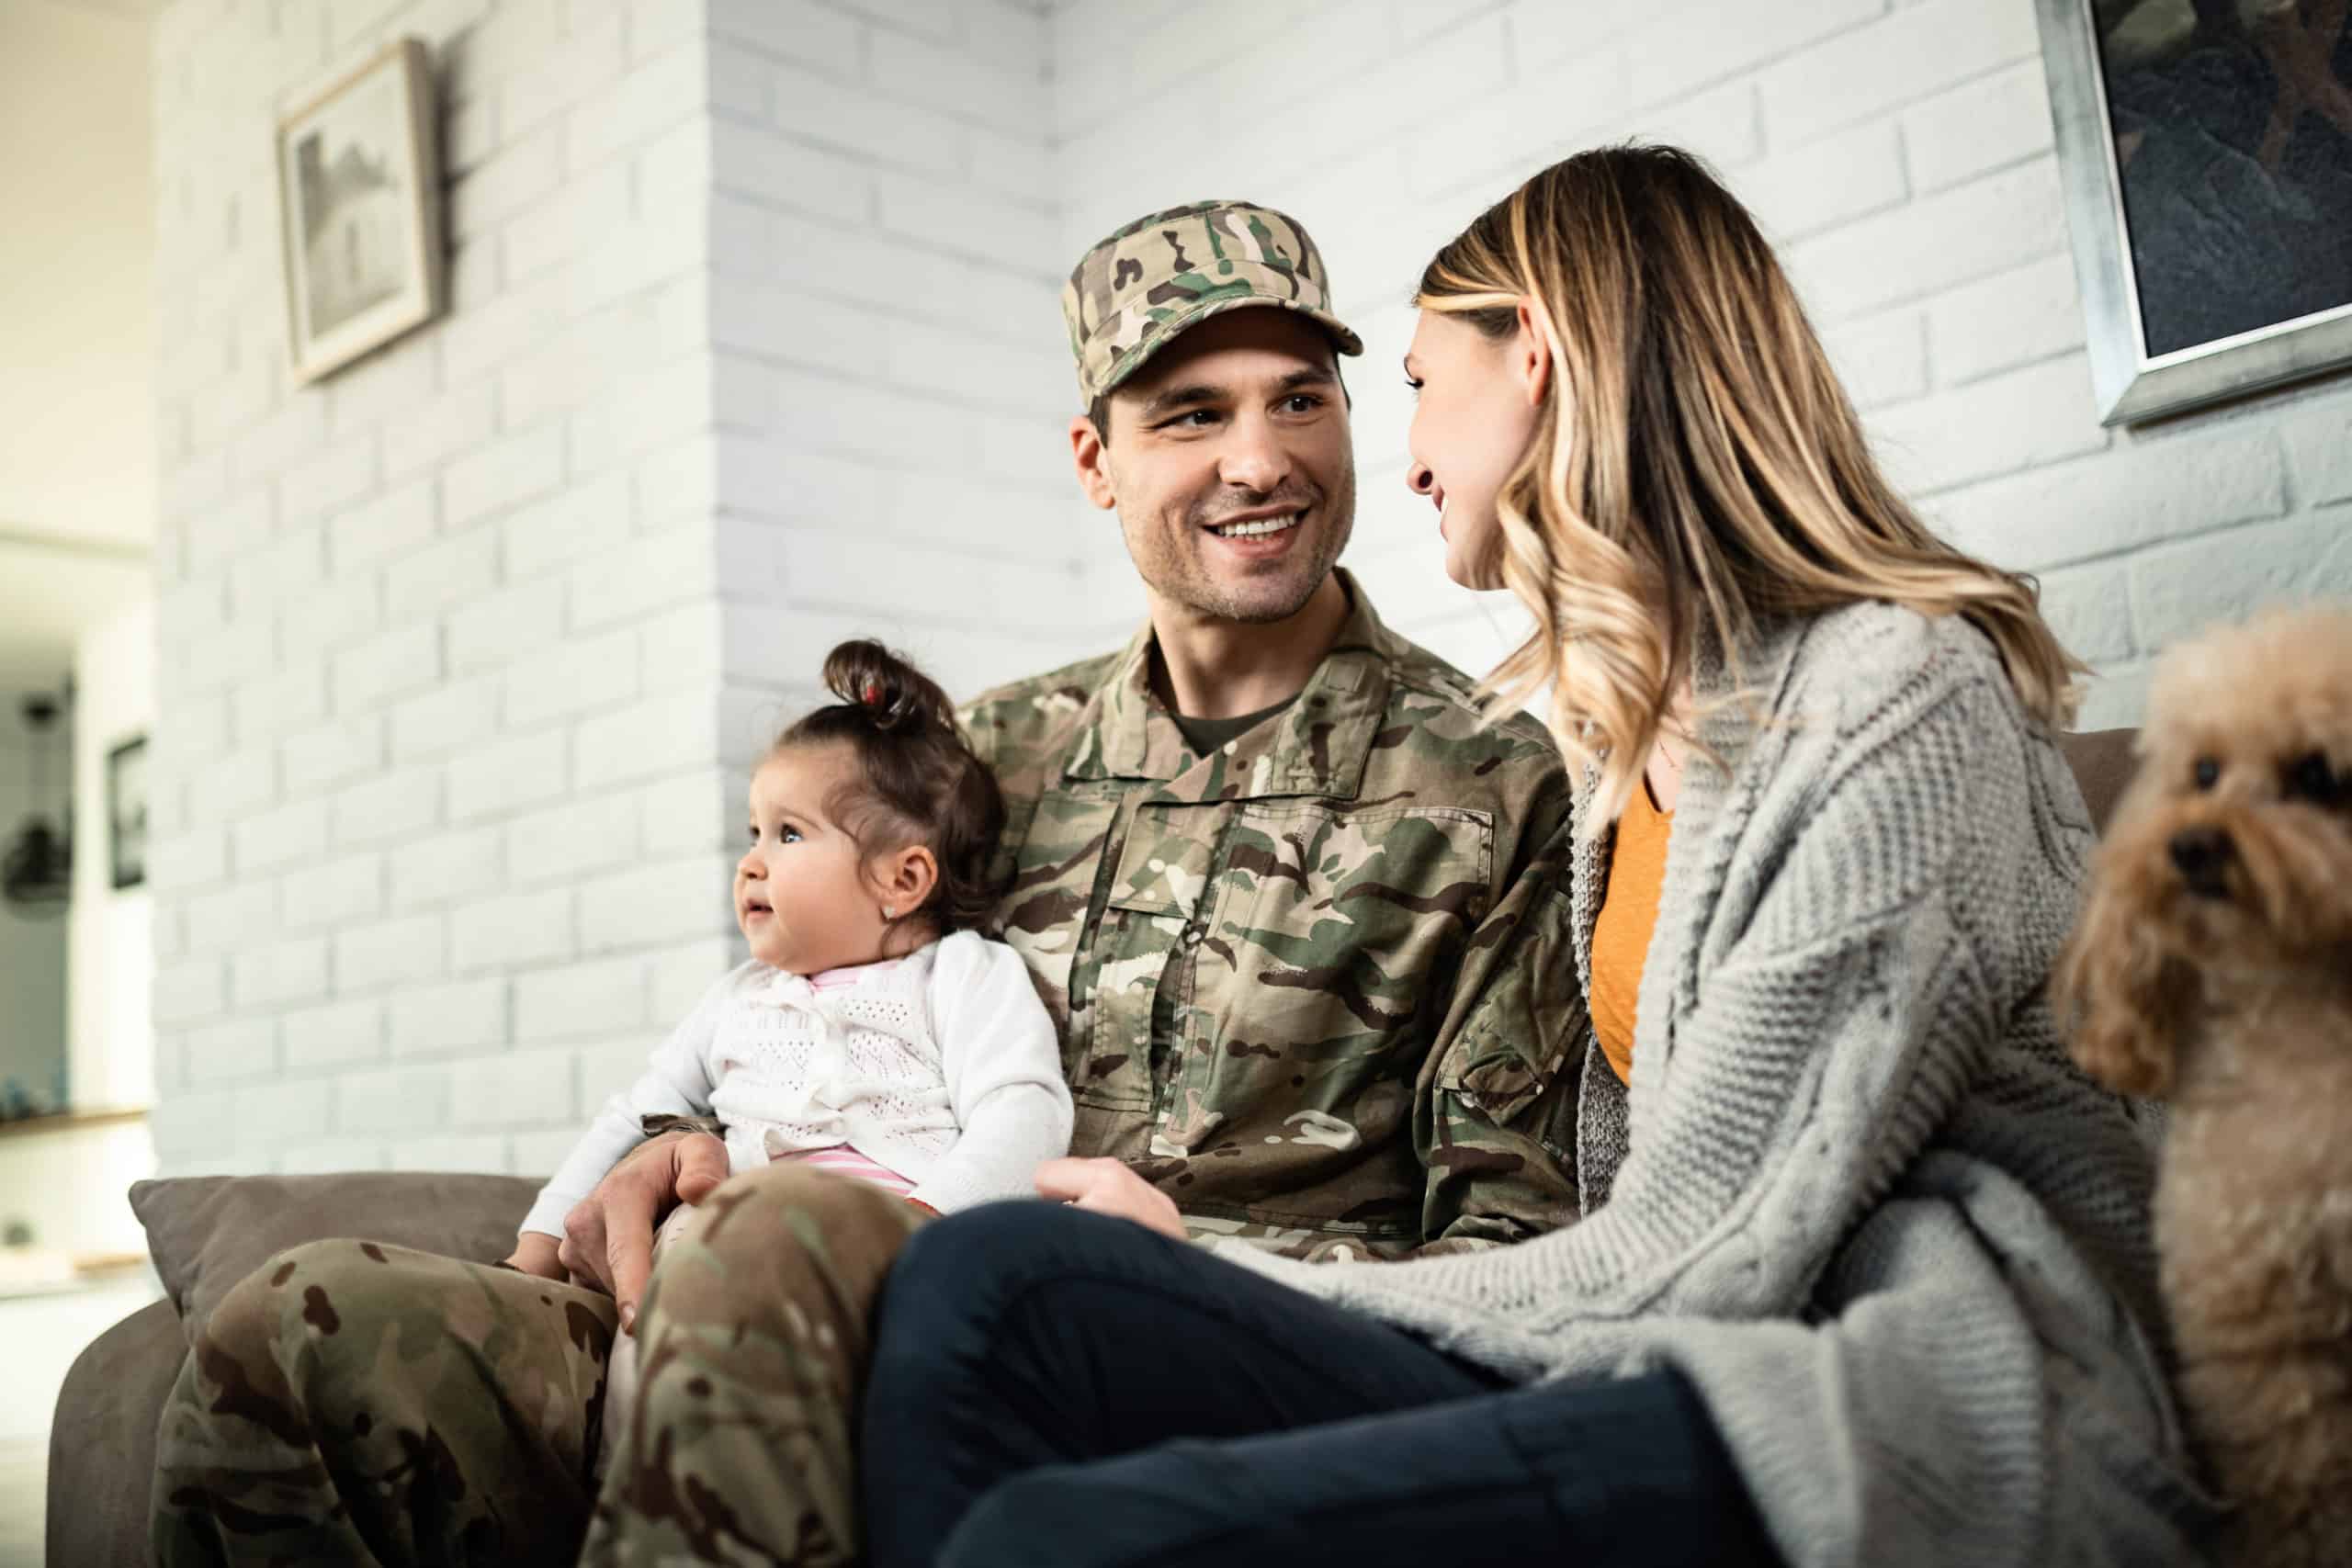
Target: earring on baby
pixel 889 913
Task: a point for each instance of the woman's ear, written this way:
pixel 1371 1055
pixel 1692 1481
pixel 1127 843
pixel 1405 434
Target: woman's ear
pixel 907 878
pixel 1531 349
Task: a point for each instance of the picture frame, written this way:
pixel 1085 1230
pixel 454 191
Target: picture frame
pixel 126 813
pixel 359 209
pixel 2200 145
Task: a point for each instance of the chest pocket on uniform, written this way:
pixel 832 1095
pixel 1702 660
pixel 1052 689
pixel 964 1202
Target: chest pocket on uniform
pixel 1331 926
pixel 1151 917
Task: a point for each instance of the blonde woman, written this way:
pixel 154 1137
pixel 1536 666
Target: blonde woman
pixel 1863 1271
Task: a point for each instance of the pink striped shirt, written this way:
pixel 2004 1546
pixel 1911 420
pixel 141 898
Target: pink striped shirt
pixel 849 1162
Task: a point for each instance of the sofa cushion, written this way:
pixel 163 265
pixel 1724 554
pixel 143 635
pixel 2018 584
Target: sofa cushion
pixel 2103 760
pixel 206 1233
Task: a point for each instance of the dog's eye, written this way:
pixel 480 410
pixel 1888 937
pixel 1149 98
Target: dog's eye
pixel 2312 779
pixel 2208 772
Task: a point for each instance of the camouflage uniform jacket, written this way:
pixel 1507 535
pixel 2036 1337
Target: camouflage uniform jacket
pixel 1320 985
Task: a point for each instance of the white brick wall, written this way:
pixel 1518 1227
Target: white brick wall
pixel 892 375
pixel 402 606
pixel 1899 153
pixel 755 345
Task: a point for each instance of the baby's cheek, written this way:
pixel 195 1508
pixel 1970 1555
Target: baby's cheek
pixel 760 934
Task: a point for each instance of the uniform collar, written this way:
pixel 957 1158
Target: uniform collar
pixel 1316 746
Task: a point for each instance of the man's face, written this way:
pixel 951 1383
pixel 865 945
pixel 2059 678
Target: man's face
pixel 1230 463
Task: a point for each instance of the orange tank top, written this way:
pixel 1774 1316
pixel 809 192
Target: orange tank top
pixel 1621 937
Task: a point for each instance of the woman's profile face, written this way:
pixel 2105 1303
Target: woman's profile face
pixel 1476 401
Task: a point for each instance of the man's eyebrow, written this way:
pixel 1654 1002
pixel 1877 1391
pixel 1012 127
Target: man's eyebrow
pixel 1169 399
pixel 1199 394
pixel 1312 375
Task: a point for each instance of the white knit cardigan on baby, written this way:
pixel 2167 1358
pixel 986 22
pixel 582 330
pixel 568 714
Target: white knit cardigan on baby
pixel 942 1065
pixel 1897 1241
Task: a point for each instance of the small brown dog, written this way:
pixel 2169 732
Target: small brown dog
pixel 2213 967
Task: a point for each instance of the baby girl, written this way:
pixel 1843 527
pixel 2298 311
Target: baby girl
pixel 874 1031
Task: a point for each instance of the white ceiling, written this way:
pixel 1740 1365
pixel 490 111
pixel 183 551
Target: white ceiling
pixel 78 416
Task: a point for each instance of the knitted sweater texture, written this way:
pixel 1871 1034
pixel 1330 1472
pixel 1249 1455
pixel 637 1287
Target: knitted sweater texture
pixel 1865 1202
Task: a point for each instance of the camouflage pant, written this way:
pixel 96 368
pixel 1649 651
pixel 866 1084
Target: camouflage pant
pixel 351 1403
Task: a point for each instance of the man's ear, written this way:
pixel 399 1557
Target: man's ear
pixel 1532 350
pixel 907 878
pixel 1089 457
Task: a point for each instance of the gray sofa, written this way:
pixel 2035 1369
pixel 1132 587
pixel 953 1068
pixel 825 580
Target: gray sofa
pixel 207 1233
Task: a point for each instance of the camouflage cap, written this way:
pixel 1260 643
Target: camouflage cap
pixel 1135 291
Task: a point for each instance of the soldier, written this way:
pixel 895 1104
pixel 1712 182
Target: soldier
pixel 1298 909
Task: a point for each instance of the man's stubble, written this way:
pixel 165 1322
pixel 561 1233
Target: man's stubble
pixel 1170 560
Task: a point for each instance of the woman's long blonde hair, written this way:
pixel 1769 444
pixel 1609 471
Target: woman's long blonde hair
pixel 1696 466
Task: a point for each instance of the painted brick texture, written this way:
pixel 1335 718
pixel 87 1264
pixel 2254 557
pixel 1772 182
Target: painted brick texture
pixel 753 344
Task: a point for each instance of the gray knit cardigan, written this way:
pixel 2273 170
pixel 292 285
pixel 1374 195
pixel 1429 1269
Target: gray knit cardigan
pixel 1863 1200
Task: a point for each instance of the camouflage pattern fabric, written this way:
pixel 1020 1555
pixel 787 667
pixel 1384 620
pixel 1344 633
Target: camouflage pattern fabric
pixel 753 1345
pixel 1142 286
pixel 354 1402
pixel 1356 916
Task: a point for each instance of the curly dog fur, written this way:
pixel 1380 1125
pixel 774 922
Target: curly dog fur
pixel 2213 967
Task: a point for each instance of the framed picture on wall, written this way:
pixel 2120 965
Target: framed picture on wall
pixel 359 205
pixel 2206 152
pixel 127 812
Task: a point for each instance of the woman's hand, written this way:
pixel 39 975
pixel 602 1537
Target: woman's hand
pixel 608 1235
pixel 1108 1186
pixel 536 1254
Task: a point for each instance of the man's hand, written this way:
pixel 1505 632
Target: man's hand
pixel 608 1237
pixel 536 1254
pixel 1108 1186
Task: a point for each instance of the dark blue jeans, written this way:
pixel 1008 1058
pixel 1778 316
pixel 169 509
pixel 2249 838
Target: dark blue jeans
pixel 1052 1388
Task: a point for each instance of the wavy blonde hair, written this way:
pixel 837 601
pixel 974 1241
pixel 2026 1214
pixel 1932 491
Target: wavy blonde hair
pixel 1696 466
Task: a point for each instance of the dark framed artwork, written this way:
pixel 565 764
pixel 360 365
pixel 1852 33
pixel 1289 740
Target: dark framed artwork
pixel 2206 151
pixel 127 812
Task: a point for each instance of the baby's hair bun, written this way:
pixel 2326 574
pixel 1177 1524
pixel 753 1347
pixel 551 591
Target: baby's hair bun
pixel 887 689
pixel 918 781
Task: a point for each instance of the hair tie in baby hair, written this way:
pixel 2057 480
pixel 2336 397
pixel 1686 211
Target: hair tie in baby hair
pixel 873 693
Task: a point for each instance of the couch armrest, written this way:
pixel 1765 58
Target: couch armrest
pixel 102 1448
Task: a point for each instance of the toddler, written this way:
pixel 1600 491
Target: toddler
pixel 874 1031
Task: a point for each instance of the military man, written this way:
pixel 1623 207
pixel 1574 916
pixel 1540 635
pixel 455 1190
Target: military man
pixel 1299 911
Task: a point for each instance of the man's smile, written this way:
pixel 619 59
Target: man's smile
pixel 1258 524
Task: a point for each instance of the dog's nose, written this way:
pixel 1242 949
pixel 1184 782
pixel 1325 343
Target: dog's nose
pixel 2203 855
